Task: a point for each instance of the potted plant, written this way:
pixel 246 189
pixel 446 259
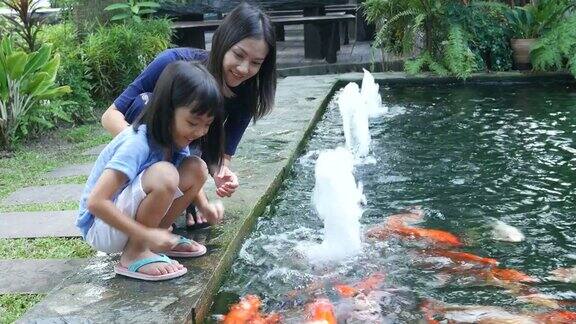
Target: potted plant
pixel 531 21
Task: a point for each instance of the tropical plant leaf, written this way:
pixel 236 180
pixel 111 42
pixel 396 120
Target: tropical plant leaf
pixel 116 6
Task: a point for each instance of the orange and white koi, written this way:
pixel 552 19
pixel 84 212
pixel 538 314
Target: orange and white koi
pixel 463 257
pixel 247 311
pixel 321 311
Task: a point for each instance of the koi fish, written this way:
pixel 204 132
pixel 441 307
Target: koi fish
pixel 472 314
pixel 558 317
pixel 511 275
pixel 321 311
pixel 247 311
pixel 431 235
pixel 563 275
pixel 364 286
pixel 504 232
pixel 541 300
pixel 464 257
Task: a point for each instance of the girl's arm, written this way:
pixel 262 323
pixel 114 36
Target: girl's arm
pixel 101 205
pixel 113 120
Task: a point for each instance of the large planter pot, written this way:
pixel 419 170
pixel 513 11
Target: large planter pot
pixel 521 52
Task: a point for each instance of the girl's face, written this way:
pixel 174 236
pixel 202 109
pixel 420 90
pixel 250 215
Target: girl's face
pixel 243 60
pixel 187 127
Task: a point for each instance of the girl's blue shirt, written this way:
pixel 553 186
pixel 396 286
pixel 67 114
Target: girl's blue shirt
pixel 130 152
pixel 131 102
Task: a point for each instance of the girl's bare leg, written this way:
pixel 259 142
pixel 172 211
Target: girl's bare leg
pixel 193 174
pixel 160 182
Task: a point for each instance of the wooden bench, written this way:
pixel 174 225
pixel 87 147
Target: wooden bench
pixel 329 9
pixel 321 39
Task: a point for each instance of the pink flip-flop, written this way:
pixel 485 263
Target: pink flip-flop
pixel 186 254
pixel 132 270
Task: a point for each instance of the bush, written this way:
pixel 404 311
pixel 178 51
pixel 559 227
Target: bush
pixel 557 48
pixel 27 83
pixel 78 106
pixel 117 54
pixel 488 35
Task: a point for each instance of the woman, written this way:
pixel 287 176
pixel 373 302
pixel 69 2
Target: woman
pixel 243 61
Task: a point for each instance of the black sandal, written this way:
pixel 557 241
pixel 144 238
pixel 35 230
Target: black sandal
pixel 192 211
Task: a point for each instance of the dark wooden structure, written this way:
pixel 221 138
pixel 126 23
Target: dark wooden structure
pixel 325 22
pixel 321 33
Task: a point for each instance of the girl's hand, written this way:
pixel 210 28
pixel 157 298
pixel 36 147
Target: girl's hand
pixel 158 239
pixel 212 212
pixel 226 182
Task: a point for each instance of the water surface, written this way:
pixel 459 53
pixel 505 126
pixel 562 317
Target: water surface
pixel 466 154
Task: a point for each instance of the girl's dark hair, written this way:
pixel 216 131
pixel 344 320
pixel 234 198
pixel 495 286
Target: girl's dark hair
pixel 243 22
pixel 185 84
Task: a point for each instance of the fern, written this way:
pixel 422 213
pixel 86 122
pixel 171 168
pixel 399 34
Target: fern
pixel 458 57
pixel 425 60
pixel 556 47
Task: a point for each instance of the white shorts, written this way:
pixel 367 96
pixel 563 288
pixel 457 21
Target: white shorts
pixel 106 238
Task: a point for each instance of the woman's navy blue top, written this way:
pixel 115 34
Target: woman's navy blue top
pixel 133 100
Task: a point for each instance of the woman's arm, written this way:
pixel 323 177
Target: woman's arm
pixel 113 120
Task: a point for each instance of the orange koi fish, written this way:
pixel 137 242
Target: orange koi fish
pixel 431 235
pixel 429 311
pixel 346 291
pixel 558 317
pixel 511 275
pixel 321 311
pixel 464 257
pixel 365 286
pixel 247 311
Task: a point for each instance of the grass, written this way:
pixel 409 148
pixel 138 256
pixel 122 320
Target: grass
pixel 12 306
pixel 45 248
pixel 29 165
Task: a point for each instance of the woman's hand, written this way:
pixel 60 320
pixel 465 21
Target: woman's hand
pixel 226 182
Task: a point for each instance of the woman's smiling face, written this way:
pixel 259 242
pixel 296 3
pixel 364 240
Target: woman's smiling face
pixel 243 60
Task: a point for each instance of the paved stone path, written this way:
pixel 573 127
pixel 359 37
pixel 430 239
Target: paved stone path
pixel 95 150
pixel 71 171
pixel 35 276
pixel 45 194
pixel 38 224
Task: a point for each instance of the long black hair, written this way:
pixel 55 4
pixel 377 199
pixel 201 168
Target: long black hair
pixel 247 21
pixel 185 84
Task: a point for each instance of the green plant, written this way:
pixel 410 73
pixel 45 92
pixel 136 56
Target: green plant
pixel 115 54
pixel 25 80
pixel 26 22
pixel 77 106
pixel 400 21
pixel 556 49
pixel 532 20
pixel 458 57
pixel 484 25
pixel 132 9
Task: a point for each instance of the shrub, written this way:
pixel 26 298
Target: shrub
pixel 132 9
pixel 26 81
pixel 117 54
pixel 73 71
pixel 485 26
pixel 26 22
pixel 557 48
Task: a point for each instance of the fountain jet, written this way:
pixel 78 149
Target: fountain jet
pixel 337 199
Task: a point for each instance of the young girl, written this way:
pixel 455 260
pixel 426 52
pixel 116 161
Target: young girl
pixel 243 61
pixel 138 185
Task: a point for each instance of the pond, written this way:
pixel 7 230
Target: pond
pixel 468 154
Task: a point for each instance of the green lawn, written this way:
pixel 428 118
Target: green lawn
pixel 28 167
pixel 13 306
